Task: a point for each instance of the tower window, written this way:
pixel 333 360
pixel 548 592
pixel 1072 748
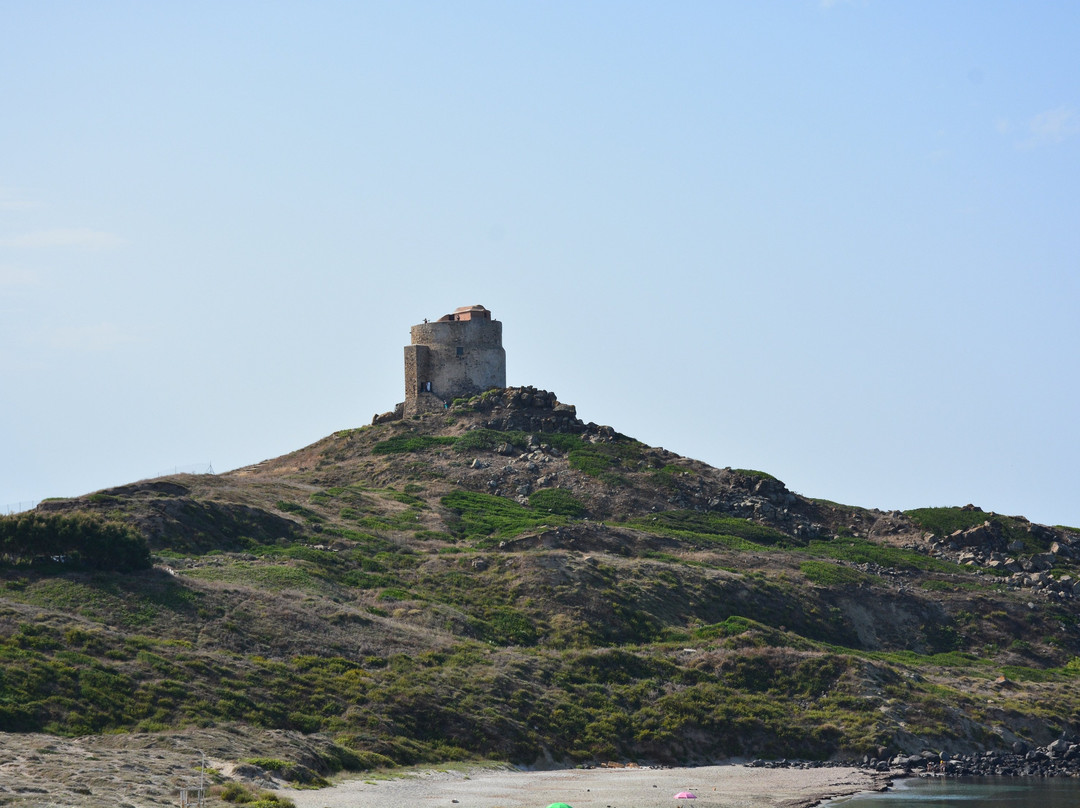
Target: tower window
pixel 460 351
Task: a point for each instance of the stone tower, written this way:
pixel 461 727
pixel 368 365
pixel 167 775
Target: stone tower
pixel 459 354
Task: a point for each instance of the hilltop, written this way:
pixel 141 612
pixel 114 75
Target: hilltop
pixel 503 580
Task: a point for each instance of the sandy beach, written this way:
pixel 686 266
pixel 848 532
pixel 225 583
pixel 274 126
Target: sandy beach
pixel 731 786
pixel 143 770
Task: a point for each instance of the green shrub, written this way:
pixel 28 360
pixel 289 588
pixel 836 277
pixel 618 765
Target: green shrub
pixel 757 475
pixel 506 626
pixel 605 460
pixel 667 474
pixel 337 757
pixel 241 795
pixel 362 759
pixel 486 440
pixel 368 580
pixel 731 627
pixel 593 463
pixel 405 499
pixel 234 792
pixel 410 442
pixel 1020 673
pixel 862 551
pixel 563 441
pixel 943 521
pixel 271 799
pixel 395 593
pixel 432 535
pixel 299 510
pixel 711 527
pixel 941 639
pixel 557 500
pixel 79 541
pixel 482 515
pixel 826 574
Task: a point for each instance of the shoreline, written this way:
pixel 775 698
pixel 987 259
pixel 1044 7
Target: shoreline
pixel 728 785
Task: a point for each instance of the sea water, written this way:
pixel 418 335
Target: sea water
pixel 972 792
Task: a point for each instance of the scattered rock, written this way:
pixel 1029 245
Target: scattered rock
pixel 1058 759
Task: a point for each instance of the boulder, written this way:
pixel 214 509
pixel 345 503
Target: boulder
pixel 1043 561
pixel 384 418
pixel 986 534
pixel 1058 747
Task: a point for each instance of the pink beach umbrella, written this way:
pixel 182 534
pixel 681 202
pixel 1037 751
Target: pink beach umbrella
pixel 686 795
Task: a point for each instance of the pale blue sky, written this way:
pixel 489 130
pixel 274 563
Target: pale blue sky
pixel 839 241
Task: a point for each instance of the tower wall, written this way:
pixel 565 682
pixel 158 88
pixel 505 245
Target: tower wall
pixel 452 358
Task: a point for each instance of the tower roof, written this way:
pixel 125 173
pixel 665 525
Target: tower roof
pixel 465 313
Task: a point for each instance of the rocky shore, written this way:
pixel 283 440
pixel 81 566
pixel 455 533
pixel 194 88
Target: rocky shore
pixel 1058 759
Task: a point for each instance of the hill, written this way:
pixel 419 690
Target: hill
pixel 501 580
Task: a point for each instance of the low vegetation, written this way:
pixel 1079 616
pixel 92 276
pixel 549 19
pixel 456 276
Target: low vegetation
pixel 557 500
pixel 252 798
pixel 861 551
pixel 483 516
pixel 400 444
pixel 739 534
pixel 439 589
pixel 944 521
pixel 57 543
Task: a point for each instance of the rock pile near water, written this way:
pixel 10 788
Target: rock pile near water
pixel 1058 759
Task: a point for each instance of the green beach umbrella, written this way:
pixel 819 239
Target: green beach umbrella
pixel 560 805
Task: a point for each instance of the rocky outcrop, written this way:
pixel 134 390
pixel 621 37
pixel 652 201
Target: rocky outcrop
pixel 986 546
pixel 987 535
pixel 395 414
pixel 527 409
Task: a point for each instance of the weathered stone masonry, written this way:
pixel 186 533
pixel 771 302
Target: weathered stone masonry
pixel 459 354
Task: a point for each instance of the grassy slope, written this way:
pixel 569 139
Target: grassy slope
pixel 413 593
